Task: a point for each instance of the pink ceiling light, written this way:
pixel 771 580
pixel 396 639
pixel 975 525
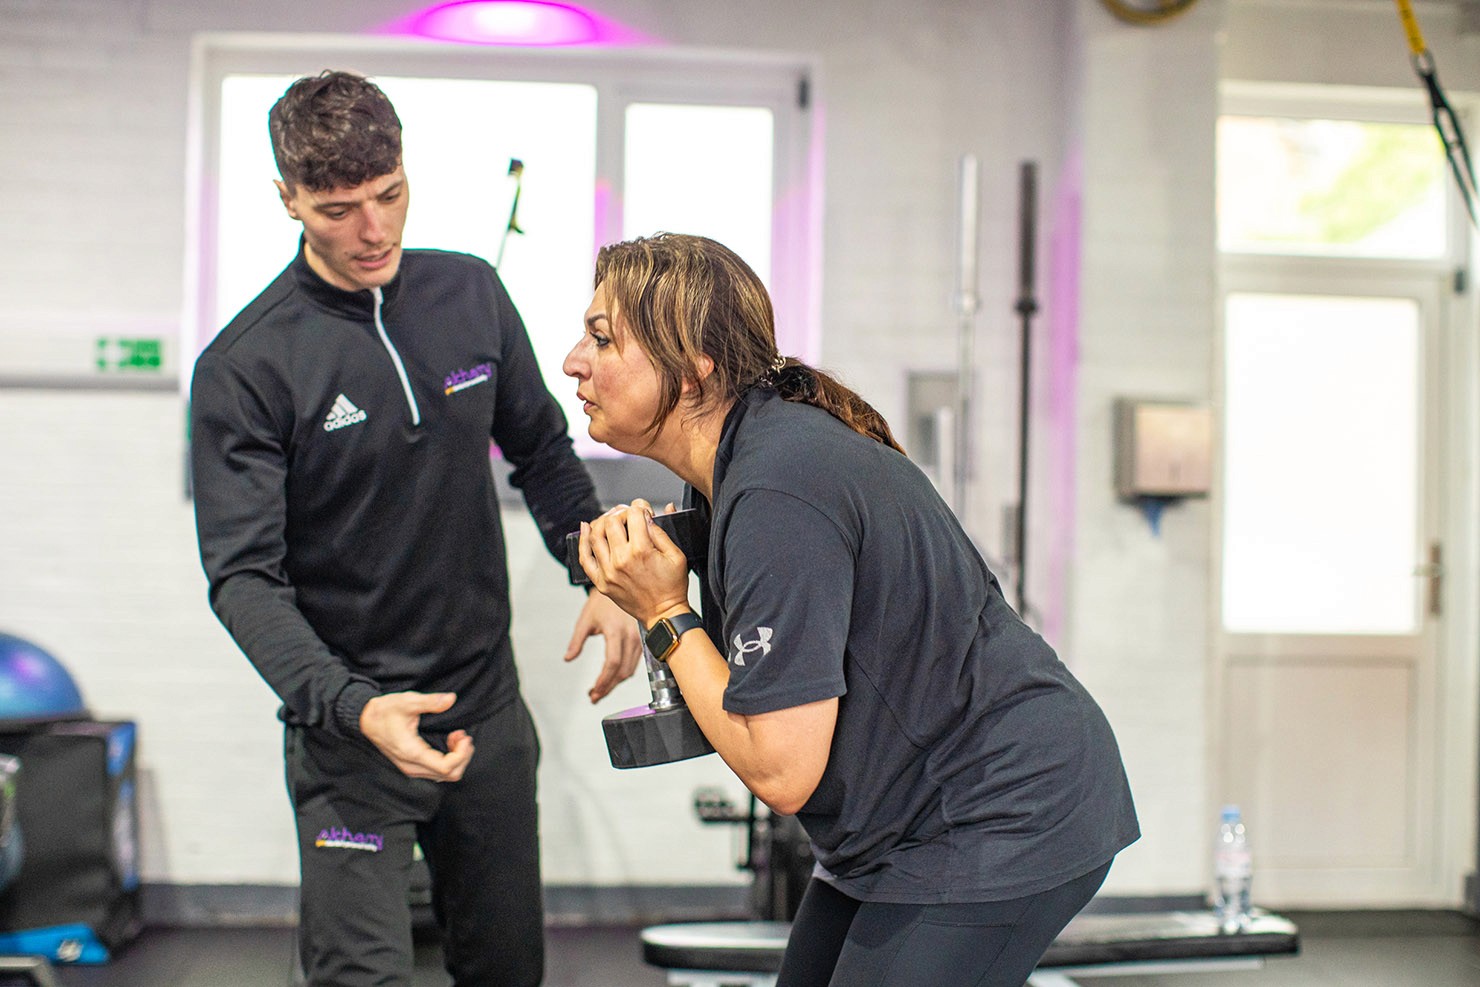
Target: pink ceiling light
pixel 533 23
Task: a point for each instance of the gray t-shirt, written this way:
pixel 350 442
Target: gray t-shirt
pixel 967 764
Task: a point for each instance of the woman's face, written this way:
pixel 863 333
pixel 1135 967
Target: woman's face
pixel 618 384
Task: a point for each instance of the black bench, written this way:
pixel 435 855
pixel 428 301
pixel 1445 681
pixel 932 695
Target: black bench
pixel 748 954
pixel 26 971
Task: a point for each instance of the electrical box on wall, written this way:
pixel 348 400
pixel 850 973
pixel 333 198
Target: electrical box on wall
pixel 1162 449
pixel 929 437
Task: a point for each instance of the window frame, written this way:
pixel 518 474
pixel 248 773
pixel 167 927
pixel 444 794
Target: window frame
pixel 781 83
pixel 1313 272
pixel 1358 105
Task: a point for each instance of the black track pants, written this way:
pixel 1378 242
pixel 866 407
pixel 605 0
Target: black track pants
pixel 358 818
pixel 837 941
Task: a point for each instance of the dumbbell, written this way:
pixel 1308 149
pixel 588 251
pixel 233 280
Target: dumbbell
pixel 663 731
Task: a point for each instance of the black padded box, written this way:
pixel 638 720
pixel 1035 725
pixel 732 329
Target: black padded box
pixel 75 898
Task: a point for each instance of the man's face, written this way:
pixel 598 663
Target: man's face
pixel 352 236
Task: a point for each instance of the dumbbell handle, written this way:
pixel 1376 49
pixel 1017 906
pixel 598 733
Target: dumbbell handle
pixel 660 679
pixel 688 531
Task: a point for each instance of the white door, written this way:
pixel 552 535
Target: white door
pixel 1343 692
pixel 1331 588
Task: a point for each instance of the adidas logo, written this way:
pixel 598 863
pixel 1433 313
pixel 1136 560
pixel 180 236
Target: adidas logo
pixel 343 414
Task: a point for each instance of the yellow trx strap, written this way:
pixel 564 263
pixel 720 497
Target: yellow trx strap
pixel 1416 47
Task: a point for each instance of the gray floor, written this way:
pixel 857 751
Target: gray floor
pixel 1355 949
pixel 585 957
pixel 1389 949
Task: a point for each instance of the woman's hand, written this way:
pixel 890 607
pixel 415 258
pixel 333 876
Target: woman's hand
pixel 780 755
pixel 634 562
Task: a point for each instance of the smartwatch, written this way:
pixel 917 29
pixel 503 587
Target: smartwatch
pixel 663 636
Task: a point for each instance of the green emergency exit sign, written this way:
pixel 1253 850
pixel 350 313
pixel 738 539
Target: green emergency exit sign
pixel 130 354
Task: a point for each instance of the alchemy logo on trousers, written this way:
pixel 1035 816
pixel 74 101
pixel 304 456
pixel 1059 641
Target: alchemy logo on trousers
pixel 338 838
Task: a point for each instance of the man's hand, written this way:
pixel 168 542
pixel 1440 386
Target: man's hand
pixel 390 723
pixel 623 642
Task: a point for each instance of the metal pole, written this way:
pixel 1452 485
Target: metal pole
pixel 1026 306
pixel 516 169
pixel 967 303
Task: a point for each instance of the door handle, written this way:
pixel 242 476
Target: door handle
pixel 1433 571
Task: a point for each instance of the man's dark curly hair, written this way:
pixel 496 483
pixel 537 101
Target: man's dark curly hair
pixel 334 130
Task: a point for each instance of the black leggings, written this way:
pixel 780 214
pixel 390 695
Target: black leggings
pixel 837 941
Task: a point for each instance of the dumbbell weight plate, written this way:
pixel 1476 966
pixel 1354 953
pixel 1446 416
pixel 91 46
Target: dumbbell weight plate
pixel 642 736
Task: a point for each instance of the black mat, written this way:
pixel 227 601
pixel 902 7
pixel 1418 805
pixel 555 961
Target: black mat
pixel 1089 940
pixel 1096 939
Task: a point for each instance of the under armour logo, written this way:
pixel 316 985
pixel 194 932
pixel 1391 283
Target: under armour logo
pixel 762 643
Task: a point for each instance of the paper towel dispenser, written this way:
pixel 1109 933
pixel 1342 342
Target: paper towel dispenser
pixel 1162 448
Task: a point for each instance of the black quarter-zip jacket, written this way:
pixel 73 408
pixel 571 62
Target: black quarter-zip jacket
pixel 344 498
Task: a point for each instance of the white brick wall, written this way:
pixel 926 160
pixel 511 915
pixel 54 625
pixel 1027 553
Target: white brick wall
pixel 97 554
pixel 99 563
pixel 100 569
pixel 1135 602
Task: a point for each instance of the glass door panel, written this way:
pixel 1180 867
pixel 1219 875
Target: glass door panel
pixel 1322 428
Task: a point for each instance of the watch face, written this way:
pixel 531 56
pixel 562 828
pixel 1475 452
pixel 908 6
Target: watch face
pixel 660 639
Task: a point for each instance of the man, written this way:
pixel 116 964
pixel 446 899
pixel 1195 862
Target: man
pixel 350 530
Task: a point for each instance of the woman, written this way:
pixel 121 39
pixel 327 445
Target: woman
pixel 963 793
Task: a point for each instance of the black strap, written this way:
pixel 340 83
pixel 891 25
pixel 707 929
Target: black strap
pixel 1450 133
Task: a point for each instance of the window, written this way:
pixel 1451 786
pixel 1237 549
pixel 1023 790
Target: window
pixel 702 167
pixel 611 146
pixel 1335 227
pixel 1337 188
pixel 461 191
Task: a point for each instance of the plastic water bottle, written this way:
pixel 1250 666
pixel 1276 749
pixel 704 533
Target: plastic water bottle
pixel 1233 871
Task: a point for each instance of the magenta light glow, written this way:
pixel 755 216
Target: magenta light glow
pixel 533 23
pixel 1058 403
